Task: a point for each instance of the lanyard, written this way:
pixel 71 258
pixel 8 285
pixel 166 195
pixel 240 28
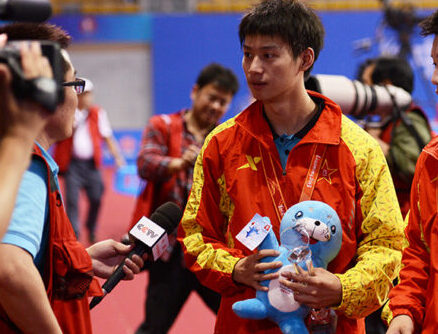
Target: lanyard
pixel 273 184
pixel 312 173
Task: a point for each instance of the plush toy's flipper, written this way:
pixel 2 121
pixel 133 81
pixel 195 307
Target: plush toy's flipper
pixel 270 242
pixel 250 309
pixel 293 325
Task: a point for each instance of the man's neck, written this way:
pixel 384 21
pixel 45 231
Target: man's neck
pixel 198 130
pixel 44 141
pixel 291 115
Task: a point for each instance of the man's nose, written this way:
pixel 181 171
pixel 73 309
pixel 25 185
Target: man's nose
pixel 435 77
pixel 256 65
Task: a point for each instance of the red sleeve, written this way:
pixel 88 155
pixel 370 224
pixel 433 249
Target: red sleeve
pixel 153 159
pixel 409 296
pixel 202 231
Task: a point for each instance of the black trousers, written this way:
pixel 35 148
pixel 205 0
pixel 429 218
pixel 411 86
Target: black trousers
pixel 374 324
pixel 83 174
pixel 170 284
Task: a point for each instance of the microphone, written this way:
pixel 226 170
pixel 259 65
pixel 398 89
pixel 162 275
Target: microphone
pixel 25 10
pixel 150 236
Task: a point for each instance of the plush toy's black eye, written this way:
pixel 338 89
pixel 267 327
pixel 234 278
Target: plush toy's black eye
pixel 333 228
pixel 299 214
pixel 317 223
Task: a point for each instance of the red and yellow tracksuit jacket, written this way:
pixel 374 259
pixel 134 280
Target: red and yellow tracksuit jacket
pixel 415 295
pixel 237 164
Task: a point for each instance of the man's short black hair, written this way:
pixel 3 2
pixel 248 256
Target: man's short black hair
pixel 429 26
pixel 38 32
pixel 291 20
pixel 220 76
pixel 362 67
pixel 395 69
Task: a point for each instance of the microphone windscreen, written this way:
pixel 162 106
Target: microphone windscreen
pixel 168 216
pixel 26 10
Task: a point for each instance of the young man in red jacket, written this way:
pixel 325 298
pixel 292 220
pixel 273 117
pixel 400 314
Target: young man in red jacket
pixel 413 304
pixel 290 145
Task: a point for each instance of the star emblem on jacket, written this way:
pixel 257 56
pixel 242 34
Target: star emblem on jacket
pixel 326 172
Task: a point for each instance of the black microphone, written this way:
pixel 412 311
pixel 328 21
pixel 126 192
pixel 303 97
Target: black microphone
pixel 150 236
pixel 25 10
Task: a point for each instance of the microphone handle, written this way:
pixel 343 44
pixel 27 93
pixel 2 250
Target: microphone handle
pixel 119 274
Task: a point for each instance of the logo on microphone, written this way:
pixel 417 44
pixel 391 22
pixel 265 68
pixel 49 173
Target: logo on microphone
pixel 147 231
pixel 144 229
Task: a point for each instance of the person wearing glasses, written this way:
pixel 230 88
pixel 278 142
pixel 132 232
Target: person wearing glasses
pixel 79 158
pixel 46 275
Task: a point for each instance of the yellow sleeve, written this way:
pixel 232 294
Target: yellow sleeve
pixel 366 285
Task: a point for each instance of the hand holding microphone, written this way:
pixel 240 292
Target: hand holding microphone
pixel 150 236
pixel 107 255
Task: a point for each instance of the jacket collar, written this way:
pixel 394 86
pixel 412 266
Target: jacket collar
pixel 432 148
pixel 327 129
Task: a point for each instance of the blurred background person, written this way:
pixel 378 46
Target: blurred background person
pixel 401 134
pixel 170 146
pixel 79 159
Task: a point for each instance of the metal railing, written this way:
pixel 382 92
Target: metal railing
pixel 115 6
pixel 241 5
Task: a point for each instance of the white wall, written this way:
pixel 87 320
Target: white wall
pixel 121 74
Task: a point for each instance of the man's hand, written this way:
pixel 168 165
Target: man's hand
pixel 318 288
pixel 106 256
pixel 190 155
pixel 188 159
pixel 249 270
pixel 23 119
pixel 401 324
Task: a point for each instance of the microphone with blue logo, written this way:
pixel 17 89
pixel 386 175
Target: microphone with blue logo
pixel 150 236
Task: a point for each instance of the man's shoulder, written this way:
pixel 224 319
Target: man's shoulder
pixel 165 122
pixel 431 149
pixel 352 132
pixel 362 147
pixel 222 131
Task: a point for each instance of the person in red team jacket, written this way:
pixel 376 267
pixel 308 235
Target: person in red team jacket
pixel 413 306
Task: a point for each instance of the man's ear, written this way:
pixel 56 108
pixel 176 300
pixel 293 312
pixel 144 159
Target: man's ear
pixel 387 82
pixel 307 59
pixel 194 91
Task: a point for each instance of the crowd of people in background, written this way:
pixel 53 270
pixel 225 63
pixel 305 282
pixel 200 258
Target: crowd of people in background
pixel 264 160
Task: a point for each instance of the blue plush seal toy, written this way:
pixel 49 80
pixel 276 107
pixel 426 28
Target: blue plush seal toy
pixel 309 230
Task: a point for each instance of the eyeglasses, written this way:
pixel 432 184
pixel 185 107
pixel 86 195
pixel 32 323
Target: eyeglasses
pixel 78 84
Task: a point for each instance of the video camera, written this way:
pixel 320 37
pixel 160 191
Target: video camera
pixel 357 99
pixel 47 92
pixel 25 10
